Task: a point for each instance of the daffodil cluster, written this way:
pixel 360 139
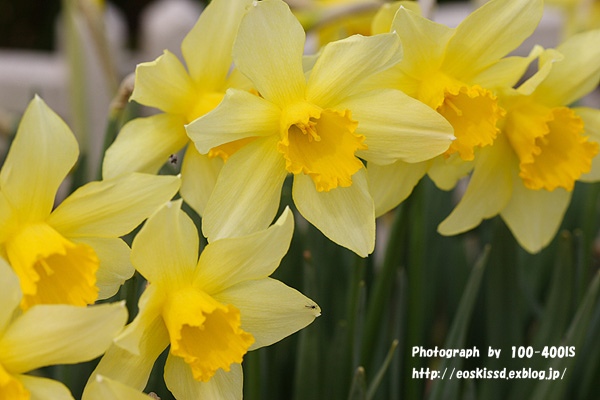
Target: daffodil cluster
pixel 352 128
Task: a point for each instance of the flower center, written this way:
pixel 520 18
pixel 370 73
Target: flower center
pixel 472 111
pixel 11 388
pixel 321 143
pixel 51 269
pixel 204 332
pixel 551 146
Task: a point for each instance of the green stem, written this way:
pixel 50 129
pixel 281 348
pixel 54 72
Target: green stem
pixel 383 284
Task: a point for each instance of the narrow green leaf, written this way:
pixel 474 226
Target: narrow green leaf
pixel 358 390
pixel 252 376
pixel 383 283
pixel 558 311
pixel 374 385
pixel 448 388
pixel 555 389
pixel 504 308
pixel 558 304
pixel 589 385
pixel 307 377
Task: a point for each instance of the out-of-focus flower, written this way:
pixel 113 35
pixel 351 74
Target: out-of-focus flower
pixel 455 71
pixel 48 335
pixel 528 174
pixel 332 20
pixel 317 128
pixel 579 15
pixel 183 93
pixel 72 254
pixel 210 310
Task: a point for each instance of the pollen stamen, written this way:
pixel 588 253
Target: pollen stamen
pixel 321 144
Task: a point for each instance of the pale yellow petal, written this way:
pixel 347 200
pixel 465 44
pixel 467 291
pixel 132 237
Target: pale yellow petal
pixel 114 207
pixel 103 388
pixel 165 251
pixel 144 145
pixel 115 266
pixel 423 42
pixel 269 309
pixel 40 157
pixel 547 60
pixel 223 385
pixel 45 389
pixel 507 72
pixel 344 63
pixel 534 216
pixel 198 178
pixel 226 262
pixel 209 60
pixel 246 196
pixel 489 190
pixel 131 369
pixel 240 115
pixel 164 84
pixel 9 218
pixel 237 80
pixel 382 21
pixel 391 184
pixel 56 334
pixel 346 215
pixel 446 172
pixel 591 121
pixel 269 49
pixel 10 294
pixel 136 335
pixel 398 127
pixel 575 76
pixel 489 33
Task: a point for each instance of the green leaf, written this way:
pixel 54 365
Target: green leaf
pixel 358 390
pixel 555 389
pixel 448 388
pixel 374 385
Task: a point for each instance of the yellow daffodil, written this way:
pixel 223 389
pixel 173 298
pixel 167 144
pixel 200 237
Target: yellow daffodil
pixel 183 93
pixel 316 127
pixel 211 310
pixel 527 176
pixel 48 335
pixel 332 20
pixel 456 72
pixel 72 254
pixel 579 15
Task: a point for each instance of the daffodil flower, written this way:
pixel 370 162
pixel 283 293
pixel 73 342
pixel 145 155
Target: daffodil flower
pixel 528 175
pixel 211 310
pixel 579 15
pixel 455 71
pixel 48 335
pixel 183 94
pixel 72 254
pixel 332 20
pixel 317 128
